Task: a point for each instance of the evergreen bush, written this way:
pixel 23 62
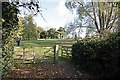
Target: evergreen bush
pixel 99 57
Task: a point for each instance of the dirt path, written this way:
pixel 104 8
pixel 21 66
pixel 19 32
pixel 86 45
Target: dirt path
pixel 47 71
pixel 70 71
pixel 61 71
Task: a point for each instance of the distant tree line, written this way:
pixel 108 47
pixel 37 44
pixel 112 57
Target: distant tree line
pixel 28 30
pixel 52 33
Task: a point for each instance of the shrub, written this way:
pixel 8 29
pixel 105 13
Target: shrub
pixel 101 57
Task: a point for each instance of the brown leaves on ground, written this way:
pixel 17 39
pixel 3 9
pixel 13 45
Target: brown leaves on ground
pixel 34 72
pixel 45 72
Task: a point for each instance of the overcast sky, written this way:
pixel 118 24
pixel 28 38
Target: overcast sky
pixel 55 14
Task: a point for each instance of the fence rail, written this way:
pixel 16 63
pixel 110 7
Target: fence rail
pixel 26 55
pixel 66 50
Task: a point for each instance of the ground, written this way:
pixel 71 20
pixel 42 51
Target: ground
pixel 63 70
pixel 44 68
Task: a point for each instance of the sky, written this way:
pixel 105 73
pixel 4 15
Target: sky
pixel 55 14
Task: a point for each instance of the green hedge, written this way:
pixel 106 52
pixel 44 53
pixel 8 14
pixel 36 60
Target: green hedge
pixel 100 58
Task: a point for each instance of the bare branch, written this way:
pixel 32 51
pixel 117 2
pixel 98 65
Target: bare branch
pixel 109 17
pixel 86 11
pixel 99 16
pixel 113 21
pixel 95 20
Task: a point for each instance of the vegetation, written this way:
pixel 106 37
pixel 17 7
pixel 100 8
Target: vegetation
pixel 118 27
pixel 30 30
pixel 62 32
pixel 45 43
pixel 44 35
pixel 97 54
pixel 99 57
pixel 27 30
pixel 37 51
pixel 53 33
pixel 9 25
pixel 39 31
pixel 96 16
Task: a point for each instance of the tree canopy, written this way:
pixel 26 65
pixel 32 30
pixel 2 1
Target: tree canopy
pixel 61 32
pixel 102 14
pixel 30 31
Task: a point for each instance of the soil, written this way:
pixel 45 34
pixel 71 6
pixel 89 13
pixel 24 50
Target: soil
pixel 63 70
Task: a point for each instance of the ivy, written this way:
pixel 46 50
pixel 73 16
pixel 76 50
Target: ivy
pixel 9 25
pixel 9 28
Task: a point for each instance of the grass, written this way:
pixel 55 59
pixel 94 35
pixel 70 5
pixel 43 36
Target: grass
pixel 44 43
pixel 39 47
pixel 38 52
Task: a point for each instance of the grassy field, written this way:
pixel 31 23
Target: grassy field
pixel 40 47
pixel 45 43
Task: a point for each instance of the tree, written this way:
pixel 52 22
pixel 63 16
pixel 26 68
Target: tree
pixel 30 31
pixel 79 23
pixel 19 32
pixel 0 21
pixel 52 33
pixel 103 14
pixel 39 31
pixel 9 26
pixel 106 14
pixel 43 35
pixel 61 31
pixel 118 26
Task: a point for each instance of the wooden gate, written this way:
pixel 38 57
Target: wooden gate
pixel 28 55
pixel 24 56
pixel 66 50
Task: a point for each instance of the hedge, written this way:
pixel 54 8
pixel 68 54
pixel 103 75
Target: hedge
pixel 98 57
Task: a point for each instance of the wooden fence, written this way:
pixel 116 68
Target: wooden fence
pixel 66 50
pixel 28 55
pixel 24 56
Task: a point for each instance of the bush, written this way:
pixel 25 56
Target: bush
pixel 99 57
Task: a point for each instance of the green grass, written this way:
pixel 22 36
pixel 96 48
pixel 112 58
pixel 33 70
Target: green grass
pixel 44 43
pixel 38 51
pixel 39 47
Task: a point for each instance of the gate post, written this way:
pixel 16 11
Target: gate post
pixel 56 47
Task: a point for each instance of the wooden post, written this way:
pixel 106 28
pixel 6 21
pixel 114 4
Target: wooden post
pixel 23 57
pixel 56 47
